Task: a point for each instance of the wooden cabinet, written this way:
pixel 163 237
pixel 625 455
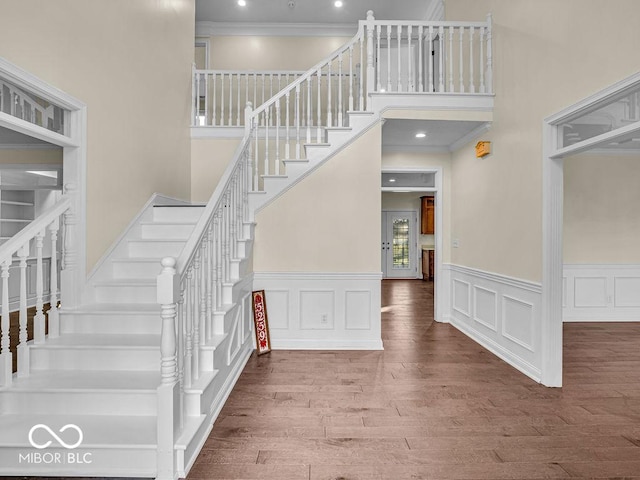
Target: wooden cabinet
pixel 428 268
pixel 428 215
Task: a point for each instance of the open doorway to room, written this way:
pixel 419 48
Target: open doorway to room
pixel 591 269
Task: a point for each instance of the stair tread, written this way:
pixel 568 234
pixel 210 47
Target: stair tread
pixel 89 340
pixel 65 380
pixel 138 260
pixel 167 222
pixel 156 240
pixel 122 282
pixel 98 430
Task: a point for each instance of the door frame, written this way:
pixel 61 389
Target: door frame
pixel 439 308
pixel 552 217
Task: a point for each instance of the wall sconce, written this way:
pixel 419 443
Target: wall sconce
pixel 483 149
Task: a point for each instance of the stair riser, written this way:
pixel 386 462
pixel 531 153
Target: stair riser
pixel 316 152
pixel 359 121
pixel 179 232
pixel 125 294
pixel 95 359
pixel 137 269
pixel 177 214
pixel 105 462
pixel 294 170
pixel 338 137
pixel 140 248
pixel 80 403
pixel 111 324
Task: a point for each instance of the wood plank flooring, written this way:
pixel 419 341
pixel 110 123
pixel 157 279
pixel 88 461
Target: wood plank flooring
pixel 432 405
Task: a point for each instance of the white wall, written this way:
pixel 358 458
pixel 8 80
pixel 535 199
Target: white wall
pixel 209 159
pixel 130 62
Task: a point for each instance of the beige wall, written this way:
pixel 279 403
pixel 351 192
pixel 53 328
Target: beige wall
pixel 270 53
pixel 209 159
pixel 546 57
pixel 429 160
pixel 51 156
pixel 130 62
pixel 601 215
pixel 330 220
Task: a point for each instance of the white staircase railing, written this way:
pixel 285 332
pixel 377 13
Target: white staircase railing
pixel 33 237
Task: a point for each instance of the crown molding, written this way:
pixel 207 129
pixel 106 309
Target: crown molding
pixel 210 29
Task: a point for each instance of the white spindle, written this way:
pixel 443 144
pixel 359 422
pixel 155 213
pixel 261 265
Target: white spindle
pixel 451 31
pixel 430 62
pixel 256 163
pixel 297 121
pixel 489 54
pixel 210 266
pixel 238 109
pixel 166 293
pixel 308 103
pixel 266 142
pixel 54 321
pixel 361 103
pixel 217 229
pixel 420 57
pixel 255 89
pixel 340 124
pixel 472 85
pixel 410 83
pixel 329 100
pixel 389 29
pixel 202 290
pixel 23 352
pixel 39 319
pixel 263 88
pixel 350 81
pixel 215 94
pixel 188 320
pixel 196 119
pixel 461 72
pixel 277 160
pixel 399 72
pixel 287 147
pixel 230 123
pixel 378 85
pixel 222 99
pixel 319 107
pixel 481 60
pixel 206 99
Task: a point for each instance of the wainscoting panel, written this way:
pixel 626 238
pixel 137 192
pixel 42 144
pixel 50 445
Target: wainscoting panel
pixel 504 317
pixel 601 293
pixel 325 311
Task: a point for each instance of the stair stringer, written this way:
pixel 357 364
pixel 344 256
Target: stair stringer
pixel 260 200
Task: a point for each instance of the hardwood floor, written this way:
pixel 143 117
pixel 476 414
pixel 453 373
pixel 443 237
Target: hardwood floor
pixel 432 405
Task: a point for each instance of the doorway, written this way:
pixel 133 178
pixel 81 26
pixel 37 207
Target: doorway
pixel 399 244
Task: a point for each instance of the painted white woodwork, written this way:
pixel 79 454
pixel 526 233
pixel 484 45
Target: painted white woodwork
pixel 601 293
pixel 320 311
pixel 500 313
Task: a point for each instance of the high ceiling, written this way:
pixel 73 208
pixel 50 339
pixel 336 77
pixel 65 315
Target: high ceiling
pixel 309 11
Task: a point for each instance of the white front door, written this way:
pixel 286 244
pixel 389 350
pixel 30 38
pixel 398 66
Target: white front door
pixel 399 248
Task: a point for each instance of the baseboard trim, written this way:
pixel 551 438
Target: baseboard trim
pixel 305 344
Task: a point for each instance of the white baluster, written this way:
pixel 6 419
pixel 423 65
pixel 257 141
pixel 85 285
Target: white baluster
pixel 308 103
pixel 264 82
pixel 239 110
pixel 222 77
pixel 196 120
pixel 287 147
pixel 410 83
pixel 472 84
pixel 217 229
pixel 267 170
pixel 489 54
pixel 230 100
pixel 361 75
pixel 52 313
pixel 399 58
pixel 206 99
pixel 255 89
pixel 378 80
pixel 481 60
pixel 202 290
pixel 6 360
pixel 38 319
pixel 195 372
pixel 215 94
pixel 188 321
pixel 329 102
pixel 371 72
pixel 350 81
pixel 209 269
pixel 340 124
pixel 277 137
pixel 420 57
pixel 297 121
pixel 23 349
pixel 167 292
pixel 451 31
pixel 389 29
pixel 319 107
pixel 461 72
pixel 256 163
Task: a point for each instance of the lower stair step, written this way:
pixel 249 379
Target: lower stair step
pixel 111 445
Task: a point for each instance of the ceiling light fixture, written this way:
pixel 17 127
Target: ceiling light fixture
pixel 242 3
pixel 337 4
pixel 391 180
pixel 421 135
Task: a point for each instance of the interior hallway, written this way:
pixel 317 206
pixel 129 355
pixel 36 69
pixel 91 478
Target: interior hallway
pixel 433 405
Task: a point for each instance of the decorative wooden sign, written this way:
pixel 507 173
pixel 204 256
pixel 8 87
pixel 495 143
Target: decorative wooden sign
pixel 263 341
pixel 483 149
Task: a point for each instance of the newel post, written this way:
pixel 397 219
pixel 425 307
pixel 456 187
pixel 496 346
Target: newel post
pixel 69 271
pixel 371 74
pixel 168 294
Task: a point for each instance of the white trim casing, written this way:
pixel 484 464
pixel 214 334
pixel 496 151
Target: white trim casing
pixel 210 29
pixel 322 311
pixel 601 293
pixel 500 313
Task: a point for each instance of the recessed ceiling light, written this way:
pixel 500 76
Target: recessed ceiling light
pixel 391 180
pixel 421 135
pixel 337 4
pixel 242 3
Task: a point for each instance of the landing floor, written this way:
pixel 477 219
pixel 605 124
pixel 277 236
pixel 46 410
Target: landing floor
pixel 433 405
